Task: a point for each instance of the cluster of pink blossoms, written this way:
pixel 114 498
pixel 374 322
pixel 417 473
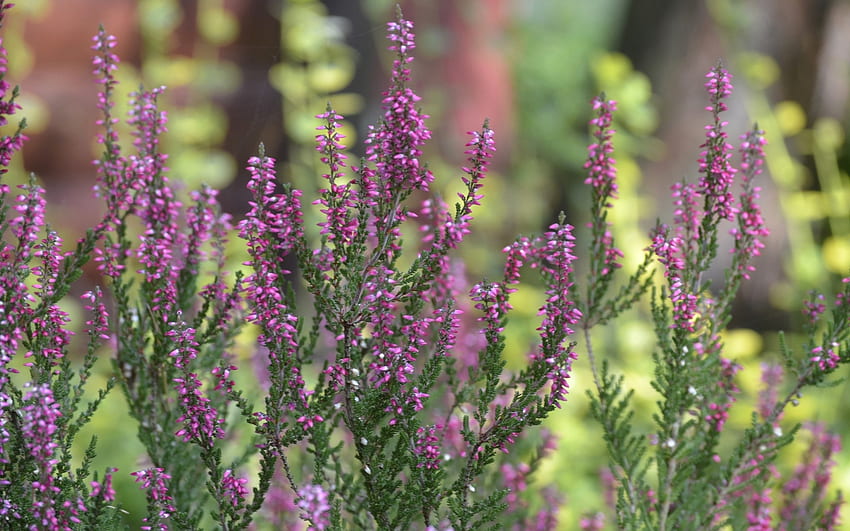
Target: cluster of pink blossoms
pixel 601 166
pixel 395 146
pixel 480 150
pixel 155 482
pixel 50 329
pixel 751 229
pixel 314 505
pixel 9 144
pixel 682 248
pixel 668 251
pixel 201 422
pixel 338 200
pixel 718 174
pixel 552 254
pixel 234 488
pixel 807 488
pixel 273 229
pixel 39 418
pixel 559 311
pixel 428 447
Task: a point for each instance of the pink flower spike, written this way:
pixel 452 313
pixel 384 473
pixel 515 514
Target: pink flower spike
pixel 395 145
pixel 234 488
pixel 480 151
pixel 160 502
pixel 751 229
pixel 339 200
pixel 601 167
pixel 315 506
pixel 714 162
pixel 427 447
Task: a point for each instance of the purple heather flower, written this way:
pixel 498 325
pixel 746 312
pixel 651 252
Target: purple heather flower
pixel 668 249
pixel 395 145
pixel 314 505
pixel 150 124
pixel 718 412
pixel 520 252
pixel 50 332
pixel 559 311
pixel 234 488
pixel 515 479
pixel 687 215
pixel 27 224
pixel 200 420
pixel 105 489
pixel 272 229
pixel 279 507
pixel 592 522
pixel 759 517
pixel 814 307
pixel 602 178
pixel 155 203
pixel 105 63
pixel 427 447
pixel 15 309
pixel 450 327
pixel 338 200
pixel 9 145
pixel 222 377
pixel 113 184
pixel 714 163
pixel 771 376
pixel 480 150
pixel 831 518
pixel 336 375
pixel 39 416
pixel 155 482
pixel 119 181
pixel 547 516
pixel 9 510
pixel 5 404
pixel 308 421
pixel 414 399
pixel 492 299
pixel 805 491
pixel 444 526
pixel 54 337
pixel 751 226
pixel 843 297
pixel 50 254
pixel 601 166
pixel 391 361
pixel 201 221
pixel 556 263
pixel 826 361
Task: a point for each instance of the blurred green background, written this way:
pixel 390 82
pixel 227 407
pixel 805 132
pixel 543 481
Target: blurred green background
pixel 244 71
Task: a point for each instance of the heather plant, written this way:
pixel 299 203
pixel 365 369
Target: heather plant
pixel 381 398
